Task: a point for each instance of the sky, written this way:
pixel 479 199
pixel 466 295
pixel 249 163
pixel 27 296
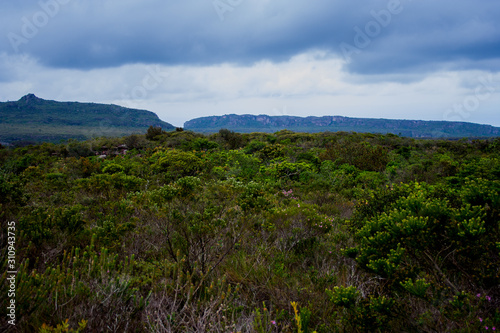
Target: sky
pixel 396 59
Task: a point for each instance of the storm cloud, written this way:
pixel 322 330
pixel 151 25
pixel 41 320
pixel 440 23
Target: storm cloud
pixel 316 56
pixel 375 36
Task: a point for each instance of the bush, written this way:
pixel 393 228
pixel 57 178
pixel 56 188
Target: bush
pixel 289 170
pixel 232 140
pixel 177 163
pixel 153 133
pixel 113 168
pixel 79 149
pixel 254 146
pixel 272 152
pixel 204 144
pixel 107 184
pixel 442 239
pixel 362 155
pixel 10 190
pixel 135 141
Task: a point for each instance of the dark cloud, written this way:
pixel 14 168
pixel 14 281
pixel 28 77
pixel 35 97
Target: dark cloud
pixel 415 36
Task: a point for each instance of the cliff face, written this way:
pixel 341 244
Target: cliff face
pixel 410 128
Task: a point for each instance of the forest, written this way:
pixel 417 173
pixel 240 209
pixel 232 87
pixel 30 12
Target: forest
pixel 261 232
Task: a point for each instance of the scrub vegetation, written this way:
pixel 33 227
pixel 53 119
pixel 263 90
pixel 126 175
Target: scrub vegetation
pixel 285 232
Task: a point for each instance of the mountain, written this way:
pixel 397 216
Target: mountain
pixel 409 128
pixel 34 119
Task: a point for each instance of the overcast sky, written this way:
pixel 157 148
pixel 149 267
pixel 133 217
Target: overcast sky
pixel 400 59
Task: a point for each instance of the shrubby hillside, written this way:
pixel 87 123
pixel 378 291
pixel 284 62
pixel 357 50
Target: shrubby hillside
pixel 32 119
pixel 228 232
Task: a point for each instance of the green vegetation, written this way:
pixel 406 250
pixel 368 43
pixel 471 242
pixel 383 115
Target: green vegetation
pixel 409 128
pixel 284 232
pixel 32 119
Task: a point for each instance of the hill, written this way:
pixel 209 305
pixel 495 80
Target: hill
pixel 408 128
pixel 34 119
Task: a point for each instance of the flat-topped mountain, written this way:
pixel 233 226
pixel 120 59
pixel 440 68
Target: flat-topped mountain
pixel 35 119
pixel 409 128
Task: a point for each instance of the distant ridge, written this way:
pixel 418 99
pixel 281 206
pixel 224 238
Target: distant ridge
pixel 32 119
pixel 37 120
pixel 408 128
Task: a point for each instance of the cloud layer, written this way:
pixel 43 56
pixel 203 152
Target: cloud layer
pixel 182 59
pixel 385 35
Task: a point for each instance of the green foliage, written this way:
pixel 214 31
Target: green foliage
pixel 231 139
pixel 254 146
pixel 105 183
pixel 63 327
pixel 302 318
pixel 253 196
pixel 204 144
pixel 84 277
pixel 422 223
pixel 10 190
pixel 240 165
pixel 365 314
pixel 154 133
pixel 271 152
pixel 184 234
pixel 309 157
pixel 430 231
pixel 177 163
pixel 344 296
pixel 418 288
pixel 349 180
pixel 135 141
pixel 113 168
pixel 362 155
pixel 51 121
pixel 288 170
pixel 264 321
pixel 78 149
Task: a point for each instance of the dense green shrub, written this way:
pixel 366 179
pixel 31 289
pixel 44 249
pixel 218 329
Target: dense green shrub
pixel 288 170
pixel 240 165
pixel 154 133
pixel 444 240
pixel 231 139
pixel 204 144
pixel 79 149
pixel 362 155
pixel 177 163
pixel 11 190
pixel 255 146
pixel 272 152
pixel 105 183
pixel 113 168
